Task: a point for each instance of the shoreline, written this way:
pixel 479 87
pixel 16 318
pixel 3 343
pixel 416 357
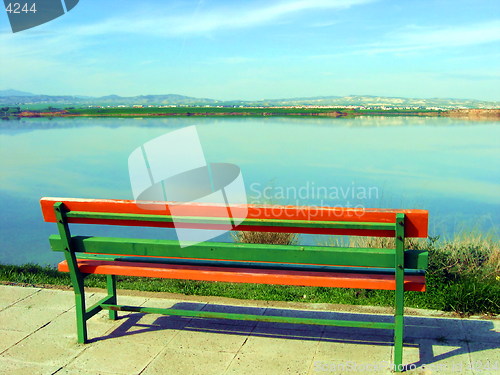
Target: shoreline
pixel 473 114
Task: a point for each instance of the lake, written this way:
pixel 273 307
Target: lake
pixel 450 167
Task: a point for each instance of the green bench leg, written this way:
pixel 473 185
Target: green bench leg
pixel 399 311
pixel 75 275
pixel 81 321
pixel 398 343
pixel 111 286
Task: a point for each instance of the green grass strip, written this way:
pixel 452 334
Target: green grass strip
pixel 465 295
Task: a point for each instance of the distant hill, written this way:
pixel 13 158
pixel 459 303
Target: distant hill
pixel 18 98
pixel 10 92
pixel 169 99
pixel 379 101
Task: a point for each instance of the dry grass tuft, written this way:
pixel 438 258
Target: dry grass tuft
pixel 472 253
pixel 380 242
pixel 269 238
pixel 494 261
pixel 468 253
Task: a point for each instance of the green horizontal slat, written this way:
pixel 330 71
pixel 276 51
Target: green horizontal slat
pixel 335 256
pixel 417 259
pixel 258 318
pixel 118 216
pixel 96 307
pixel 222 220
pixel 255 265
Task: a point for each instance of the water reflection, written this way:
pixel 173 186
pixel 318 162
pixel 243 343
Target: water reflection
pixel 449 166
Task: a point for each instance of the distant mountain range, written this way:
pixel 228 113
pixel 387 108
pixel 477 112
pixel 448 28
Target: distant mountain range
pixel 17 98
pixel 14 97
pixel 10 92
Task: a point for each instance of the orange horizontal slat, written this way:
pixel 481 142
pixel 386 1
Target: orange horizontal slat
pixel 246 275
pixel 416 221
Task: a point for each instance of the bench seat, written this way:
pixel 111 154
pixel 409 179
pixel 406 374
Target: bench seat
pixel 273 276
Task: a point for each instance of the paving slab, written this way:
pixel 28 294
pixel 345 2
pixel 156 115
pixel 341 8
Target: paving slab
pixel 38 336
pixel 24 319
pixel 10 338
pixel 189 361
pixel 355 353
pixel 44 349
pixel 130 300
pixel 485 357
pixel 434 328
pixel 79 371
pixel 482 330
pixel 280 347
pixel 217 340
pixel 118 357
pixel 136 328
pixel 443 356
pixel 64 325
pixel 59 300
pixel 360 351
pixel 10 295
pixel 13 367
pixel 349 367
pixel 267 364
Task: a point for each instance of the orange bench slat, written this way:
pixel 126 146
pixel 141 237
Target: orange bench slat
pixel 246 275
pixel 416 221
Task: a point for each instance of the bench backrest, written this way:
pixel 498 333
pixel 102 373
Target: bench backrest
pixel 259 218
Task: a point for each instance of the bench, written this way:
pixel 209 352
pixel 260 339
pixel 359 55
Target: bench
pixel 395 268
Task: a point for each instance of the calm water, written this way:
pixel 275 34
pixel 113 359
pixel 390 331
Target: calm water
pixel 448 166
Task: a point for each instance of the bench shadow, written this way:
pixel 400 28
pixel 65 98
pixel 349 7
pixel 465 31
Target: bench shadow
pixel 422 333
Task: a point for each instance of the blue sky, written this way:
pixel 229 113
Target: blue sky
pixel 260 49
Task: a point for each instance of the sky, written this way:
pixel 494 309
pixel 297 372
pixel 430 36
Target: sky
pixel 260 49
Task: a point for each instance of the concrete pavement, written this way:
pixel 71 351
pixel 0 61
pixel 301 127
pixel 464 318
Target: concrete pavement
pixel 38 336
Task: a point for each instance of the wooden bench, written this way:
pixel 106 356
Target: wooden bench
pixel 321 266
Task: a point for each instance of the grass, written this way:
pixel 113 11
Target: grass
pixel 463 277
pixel 464 274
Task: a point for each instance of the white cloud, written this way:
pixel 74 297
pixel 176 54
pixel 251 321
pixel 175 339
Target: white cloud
pixel 211 20
pixel 443 37
pixel 418 39
pixel 47 47
pixel 324 24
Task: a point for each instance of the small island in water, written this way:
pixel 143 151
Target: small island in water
pixel 14 104
pixel 209 111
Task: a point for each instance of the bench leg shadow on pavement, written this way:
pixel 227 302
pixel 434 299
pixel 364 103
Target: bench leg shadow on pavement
pixel 445 344
pixel 428 342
